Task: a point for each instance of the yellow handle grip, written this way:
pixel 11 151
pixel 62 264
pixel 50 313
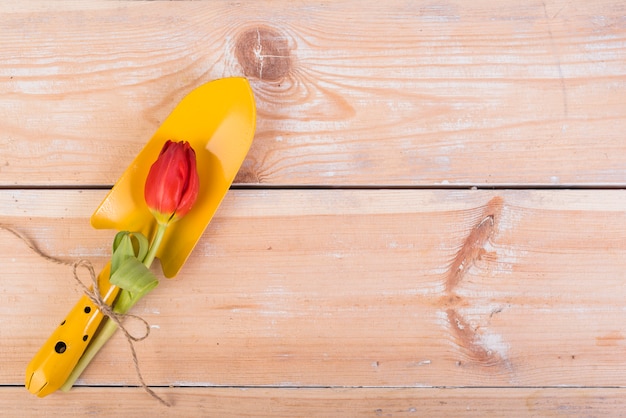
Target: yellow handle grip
pixel 56 359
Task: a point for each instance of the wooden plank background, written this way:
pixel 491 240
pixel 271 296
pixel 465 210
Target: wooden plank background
pixel 348 93
pixel 461 251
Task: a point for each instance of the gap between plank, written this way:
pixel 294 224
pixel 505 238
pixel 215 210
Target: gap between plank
pixel 356 187
pixel 312 387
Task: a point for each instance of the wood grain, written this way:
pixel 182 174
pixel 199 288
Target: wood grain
pixel 383 93
pixel 348 288
pixel 420 299
pixel 321 402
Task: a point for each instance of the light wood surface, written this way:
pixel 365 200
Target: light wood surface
pixel 316 402
pixel 368 92
pixel 388 289
pixel 350 288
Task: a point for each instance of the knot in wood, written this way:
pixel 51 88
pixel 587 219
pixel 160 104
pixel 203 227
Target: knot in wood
pixel 263 53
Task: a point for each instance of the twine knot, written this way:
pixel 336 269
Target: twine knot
pixel 96 298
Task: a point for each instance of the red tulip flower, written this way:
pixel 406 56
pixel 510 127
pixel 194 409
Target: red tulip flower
pixel 172 184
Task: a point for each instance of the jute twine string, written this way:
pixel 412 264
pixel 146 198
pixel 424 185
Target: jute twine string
pixel 94 296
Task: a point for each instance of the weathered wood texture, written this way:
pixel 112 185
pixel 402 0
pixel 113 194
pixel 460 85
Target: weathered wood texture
pixel 353 402
pixel 349 288
pixel 335 302
pixel 362 93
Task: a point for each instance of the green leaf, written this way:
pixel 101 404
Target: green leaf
pixel 143 245
pixel 132 276
pixel 124 247
pixel 118 239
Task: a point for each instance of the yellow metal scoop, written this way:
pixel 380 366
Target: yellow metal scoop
pixel 218 120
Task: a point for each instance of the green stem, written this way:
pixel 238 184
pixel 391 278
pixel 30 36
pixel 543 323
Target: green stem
pixel 124 302
pixel 155 245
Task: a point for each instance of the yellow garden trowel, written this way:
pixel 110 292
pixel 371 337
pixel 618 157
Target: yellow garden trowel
pixel 218 120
